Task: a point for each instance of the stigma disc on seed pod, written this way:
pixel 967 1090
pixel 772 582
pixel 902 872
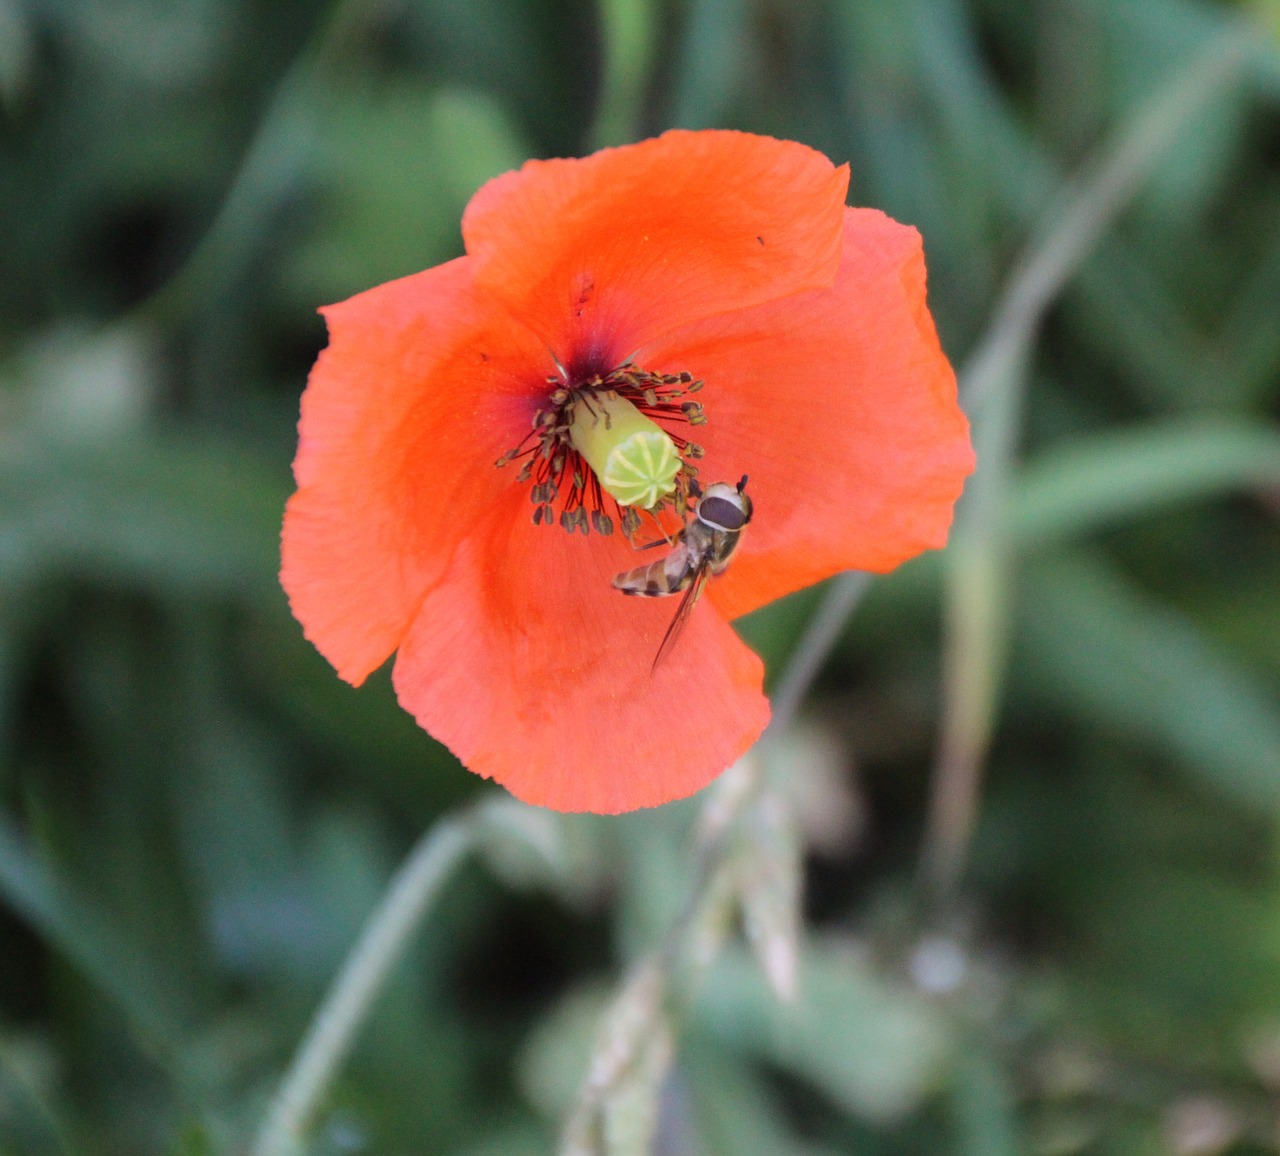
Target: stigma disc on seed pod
pixel 634 459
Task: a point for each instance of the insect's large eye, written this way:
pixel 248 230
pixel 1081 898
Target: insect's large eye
pixel 722 513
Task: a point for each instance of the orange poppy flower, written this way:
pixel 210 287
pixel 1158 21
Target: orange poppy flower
pixel 718 285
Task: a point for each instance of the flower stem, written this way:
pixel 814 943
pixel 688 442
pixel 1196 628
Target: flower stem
pixel 839 601
pixel 345 1008
pixel 628 30
pixel 979 561
pixel 638 1020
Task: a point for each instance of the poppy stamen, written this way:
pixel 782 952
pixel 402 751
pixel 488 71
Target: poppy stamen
pixel 612 440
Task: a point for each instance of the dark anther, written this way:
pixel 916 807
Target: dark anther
pixel 560 483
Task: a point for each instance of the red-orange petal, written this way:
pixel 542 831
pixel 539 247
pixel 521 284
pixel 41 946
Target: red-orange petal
pixel 425 383
pixel 535 672
pixel 841 406
pixel 602 254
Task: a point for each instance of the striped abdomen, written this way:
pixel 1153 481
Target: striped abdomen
pixel 667 575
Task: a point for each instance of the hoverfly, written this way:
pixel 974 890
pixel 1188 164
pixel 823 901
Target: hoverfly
pixel 703 548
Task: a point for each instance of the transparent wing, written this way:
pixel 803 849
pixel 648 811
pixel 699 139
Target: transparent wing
pixel 678 623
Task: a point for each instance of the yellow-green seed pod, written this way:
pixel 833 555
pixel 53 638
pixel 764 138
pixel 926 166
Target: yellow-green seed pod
pixel 634 459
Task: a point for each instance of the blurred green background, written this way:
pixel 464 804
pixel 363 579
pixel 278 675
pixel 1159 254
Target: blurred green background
pixel 196 815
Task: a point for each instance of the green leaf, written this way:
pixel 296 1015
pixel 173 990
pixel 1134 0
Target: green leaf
pixel 715 56
pixel 397 760
pixel 983 1105
pixel 556 1052
pixel 194 1141
pixel 1090 483
pixel 876 1048
pixel 165 512
pixel 735 1113
pixel 1123 663
pixel 398 165
pixel 17 54
pixel 31 1120
pixel 149 999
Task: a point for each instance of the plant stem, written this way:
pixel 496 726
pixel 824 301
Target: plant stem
pixel 628 30
pixel 979 562
pixel 345 1008
pixel 730 799
pixel 821 633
